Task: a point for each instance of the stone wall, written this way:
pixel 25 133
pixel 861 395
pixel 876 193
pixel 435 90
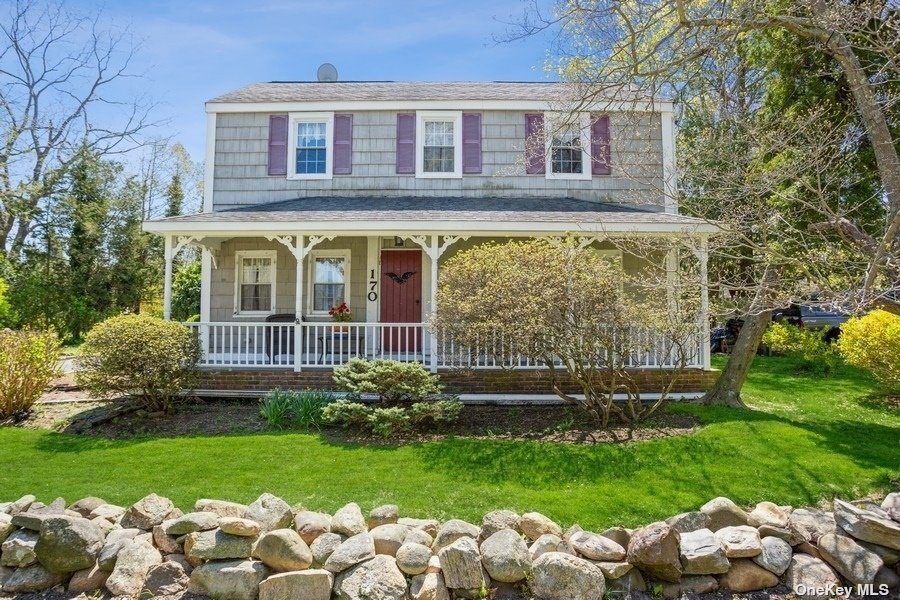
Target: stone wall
pixel 271 551
pixel 471 381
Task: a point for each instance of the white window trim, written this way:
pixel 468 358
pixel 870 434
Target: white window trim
pixel 313 255
pixel 454 116
pixel 239 257
pixel 551 122
pixel 310 117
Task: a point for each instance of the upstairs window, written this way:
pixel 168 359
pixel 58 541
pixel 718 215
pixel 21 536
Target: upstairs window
pixel 439 144
pixel 311 144
pixel 329 280
pixel 566 155
pixel 568 146
pixel 255 283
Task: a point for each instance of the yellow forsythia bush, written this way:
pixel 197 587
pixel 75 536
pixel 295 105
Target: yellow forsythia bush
pixel 873 342
pixel 28 361
pixel 141 356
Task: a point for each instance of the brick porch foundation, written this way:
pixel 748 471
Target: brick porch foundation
pixel 514 381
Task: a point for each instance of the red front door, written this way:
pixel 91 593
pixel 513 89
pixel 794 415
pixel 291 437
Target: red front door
pixel 401 298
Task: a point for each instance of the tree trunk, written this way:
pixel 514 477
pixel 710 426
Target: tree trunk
pixel 727 389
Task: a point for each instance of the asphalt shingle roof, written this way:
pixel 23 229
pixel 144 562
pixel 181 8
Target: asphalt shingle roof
pixel 315 91
pixel 415 208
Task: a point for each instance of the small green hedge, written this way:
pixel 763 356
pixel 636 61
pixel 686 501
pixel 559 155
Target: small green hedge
pixel 393 381
pixel 393 421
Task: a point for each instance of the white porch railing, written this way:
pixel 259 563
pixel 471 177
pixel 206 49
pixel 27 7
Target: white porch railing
pixel 274 345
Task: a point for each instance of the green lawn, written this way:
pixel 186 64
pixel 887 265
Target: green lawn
pixel 807 438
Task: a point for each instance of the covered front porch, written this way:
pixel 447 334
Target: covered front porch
pixel 271 277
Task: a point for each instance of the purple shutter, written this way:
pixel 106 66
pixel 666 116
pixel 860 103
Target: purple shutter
pixel 343 144
pixel 471 143
pixel 534 144
pixel 600 154
pixel 278 137
pixel 406 143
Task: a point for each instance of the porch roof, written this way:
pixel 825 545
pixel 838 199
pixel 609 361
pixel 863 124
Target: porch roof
pixel 437 214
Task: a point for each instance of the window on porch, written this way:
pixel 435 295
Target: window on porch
pixel 255 283
pixel 330 273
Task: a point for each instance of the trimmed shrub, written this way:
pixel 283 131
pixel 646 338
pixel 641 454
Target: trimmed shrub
pixel 346 413
pixel 28 361
pixel 389 422
pixel 147 357
pixel 873 343
pixel 806 345
pixel 393 381
pixel 438 412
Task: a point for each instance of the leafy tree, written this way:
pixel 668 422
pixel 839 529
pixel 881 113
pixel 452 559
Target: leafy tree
pixel 186 291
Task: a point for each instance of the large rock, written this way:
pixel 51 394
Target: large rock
pixel 34 578
pixel 461 564
pixel 239 526
pixel 627 584
pixel 613 569
pixel 689 585
pixel 147 512
pixel 413 558
pixel 549 543
pixel 349 521
pixel 20 505
pixel 850 559
pixel 596 547
pixel 134 561
pixel 389 537
pixel 505 556
pixel 891 505
pixel 6 526
pixel 418 536
pixel 430 586
pixel 191 522
pixel 775 556
pixel 383 515
pixel 702 554
pixel 271 512
pixel 165 581
pixel 809 578
pixel 654 550
pixel 375 579
pixel 794 536
pixel 113 544
pixel 429 526
pixel 867 525
pixel 108 512
pixel 740 541
pixel 312 584
pixel 689 521
pixel 87 580
pixel 534 525
pixel 166 543
pixel 559 576
pixel 34 517
pixel 813 521
pixel 283 550
pixel 18 549
pixel 619 535
pixel 323 547
pixel 451 531
pixel 722 512
pixel 220 507
pixel 889 556
pixel 85 506
pixel 767 513
pixel 354 550
pixel 311 525
pixel 747 576
pixel 217 545
pixel 496 520
pixel 68 544
pixel 228 579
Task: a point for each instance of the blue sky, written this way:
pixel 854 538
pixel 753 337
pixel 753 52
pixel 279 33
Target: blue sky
pixel 192 50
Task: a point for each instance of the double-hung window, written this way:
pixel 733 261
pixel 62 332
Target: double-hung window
pixel 439 144
pixel 568 147
pixel 311 140
pixel 255 283
pixel 329 280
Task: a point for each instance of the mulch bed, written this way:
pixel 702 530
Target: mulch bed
pixel 560 424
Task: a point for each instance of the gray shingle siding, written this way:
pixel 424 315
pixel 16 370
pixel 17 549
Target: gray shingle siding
pixel 240 177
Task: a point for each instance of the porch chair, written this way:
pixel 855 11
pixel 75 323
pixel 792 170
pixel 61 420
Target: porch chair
pixel 280 340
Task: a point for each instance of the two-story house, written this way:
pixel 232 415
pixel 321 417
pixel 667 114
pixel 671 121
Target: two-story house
pixel 322 193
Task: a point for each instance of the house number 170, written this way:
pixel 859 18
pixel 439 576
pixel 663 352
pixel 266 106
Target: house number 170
pixel 373 285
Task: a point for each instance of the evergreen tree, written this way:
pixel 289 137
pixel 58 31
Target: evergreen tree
pixel 175 196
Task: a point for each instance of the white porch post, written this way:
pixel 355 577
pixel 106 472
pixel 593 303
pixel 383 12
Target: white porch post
pixel 206 266
pixel 434 254
pixel 167 282
pixel 704 303
pixel 300 256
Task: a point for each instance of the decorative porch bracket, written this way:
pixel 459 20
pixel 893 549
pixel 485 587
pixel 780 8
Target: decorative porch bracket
pixel 172 248
pixel 435 248
pixel 583 241
pixel 299 248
